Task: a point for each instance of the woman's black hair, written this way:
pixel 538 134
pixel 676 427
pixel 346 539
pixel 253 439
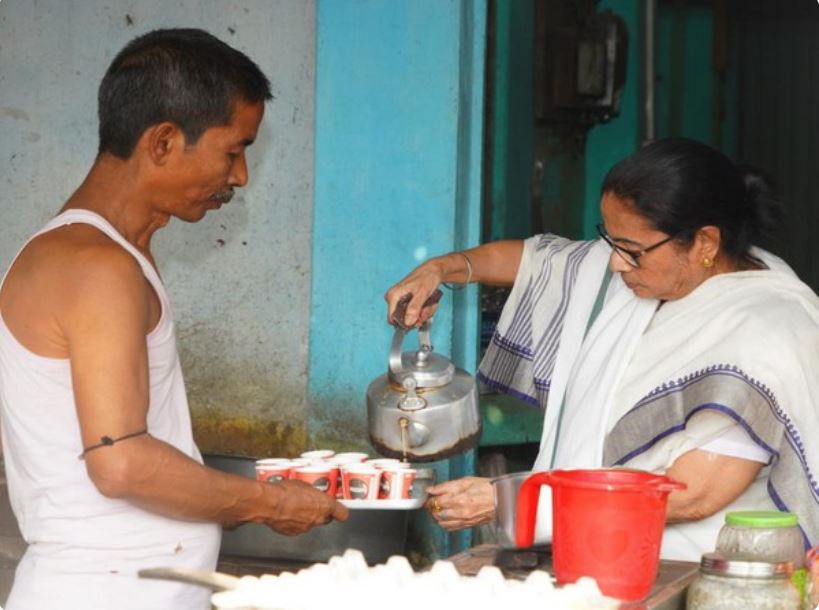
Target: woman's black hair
pixel 185 76
pixel 681 185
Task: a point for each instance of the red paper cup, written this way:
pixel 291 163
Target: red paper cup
pixel 336 466
pixel 396 483
pixel 339 460
pixel 323 477
pixel 272 470
pixel 360 482
pixel 336 477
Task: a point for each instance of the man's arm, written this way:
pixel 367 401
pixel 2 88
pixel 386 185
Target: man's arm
pixel 107 316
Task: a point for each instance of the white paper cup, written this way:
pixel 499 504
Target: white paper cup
pixel 360 482
pixel 273 470
pixel 275 460
pixel 336 466
pixel 318 454
pixel 350 457
pixel 323 477
pixel 396 483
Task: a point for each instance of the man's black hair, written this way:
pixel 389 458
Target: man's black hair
pixel 185 76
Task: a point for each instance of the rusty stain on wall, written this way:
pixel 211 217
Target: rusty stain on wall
pixel 340 430
pixel 226 434
pixel 15 113
pixel 240 406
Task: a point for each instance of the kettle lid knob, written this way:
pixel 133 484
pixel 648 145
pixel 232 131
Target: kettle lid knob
pixel 426 368
pixel 411 401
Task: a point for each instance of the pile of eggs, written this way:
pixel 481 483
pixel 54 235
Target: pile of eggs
pixel 348 583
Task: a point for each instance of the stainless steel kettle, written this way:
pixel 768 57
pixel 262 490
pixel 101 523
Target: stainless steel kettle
pixel 423 408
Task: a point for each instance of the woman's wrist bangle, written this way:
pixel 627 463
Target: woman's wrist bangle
pixel 463 285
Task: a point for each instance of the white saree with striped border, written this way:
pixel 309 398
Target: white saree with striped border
pixel 647 384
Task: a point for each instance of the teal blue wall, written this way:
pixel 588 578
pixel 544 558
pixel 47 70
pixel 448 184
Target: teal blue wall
pixel 685 103
pixel 512 121
pixel 238 280
pixel 399 112
pixel 685 72
pixel 609 142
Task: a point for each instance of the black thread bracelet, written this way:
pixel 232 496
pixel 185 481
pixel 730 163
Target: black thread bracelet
pixel 107 441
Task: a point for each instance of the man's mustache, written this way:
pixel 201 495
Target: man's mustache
pixel 222 196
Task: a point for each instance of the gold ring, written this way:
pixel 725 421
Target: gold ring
pixel 436 506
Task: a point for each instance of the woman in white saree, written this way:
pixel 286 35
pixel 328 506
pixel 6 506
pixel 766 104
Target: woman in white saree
pixel 671 344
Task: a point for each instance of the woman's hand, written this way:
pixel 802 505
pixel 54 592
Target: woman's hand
pixel 492 264
pixel 420 283
pixel 462 503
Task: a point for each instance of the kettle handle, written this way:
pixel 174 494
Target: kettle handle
pixel 396 366
pixel 397 318
pixel 528 498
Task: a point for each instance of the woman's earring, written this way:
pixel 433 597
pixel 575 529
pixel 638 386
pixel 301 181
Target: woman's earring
pixel 707 262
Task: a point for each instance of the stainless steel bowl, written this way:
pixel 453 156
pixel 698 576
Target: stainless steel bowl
pixel 378 534
pixel 506 505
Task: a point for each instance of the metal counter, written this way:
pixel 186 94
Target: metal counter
pixel 668 592
pixel 376 533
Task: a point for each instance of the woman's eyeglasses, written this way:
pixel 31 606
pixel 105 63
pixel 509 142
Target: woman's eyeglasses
pixel 630 256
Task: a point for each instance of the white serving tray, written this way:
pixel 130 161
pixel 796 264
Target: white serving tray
pixel 410 504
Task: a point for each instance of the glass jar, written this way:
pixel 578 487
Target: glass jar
pixel 732 584
pixel 762 536
pixel 812 588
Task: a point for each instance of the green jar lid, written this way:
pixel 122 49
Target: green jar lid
pixel 758 519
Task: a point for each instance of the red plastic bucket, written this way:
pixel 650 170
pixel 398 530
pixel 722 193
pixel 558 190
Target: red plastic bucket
pixel 606 523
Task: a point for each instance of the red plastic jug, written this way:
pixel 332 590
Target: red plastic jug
pixel 606 523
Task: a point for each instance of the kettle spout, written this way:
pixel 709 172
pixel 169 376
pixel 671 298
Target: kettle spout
pixel 413 433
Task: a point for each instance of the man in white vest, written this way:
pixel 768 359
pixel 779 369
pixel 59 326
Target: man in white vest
pixel 88 361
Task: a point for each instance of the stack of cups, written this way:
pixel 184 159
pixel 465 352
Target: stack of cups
pixel 396 478
pixel 347 476
pixel 318 472
pixel 272 470
pixel 311 467
pixel 339 462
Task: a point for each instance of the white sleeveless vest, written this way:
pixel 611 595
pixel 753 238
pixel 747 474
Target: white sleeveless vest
pixel 84 548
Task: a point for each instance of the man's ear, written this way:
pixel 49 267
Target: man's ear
pixel 161 140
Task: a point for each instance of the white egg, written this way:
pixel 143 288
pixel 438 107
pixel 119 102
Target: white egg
pixel 491 575
pixel 540 581
pixel 348 583
pixel 400 567
pixel 246 581
pixel 587 584
pixel 353 563
pixel 230 600
pixel 472 598
pixel 444 573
